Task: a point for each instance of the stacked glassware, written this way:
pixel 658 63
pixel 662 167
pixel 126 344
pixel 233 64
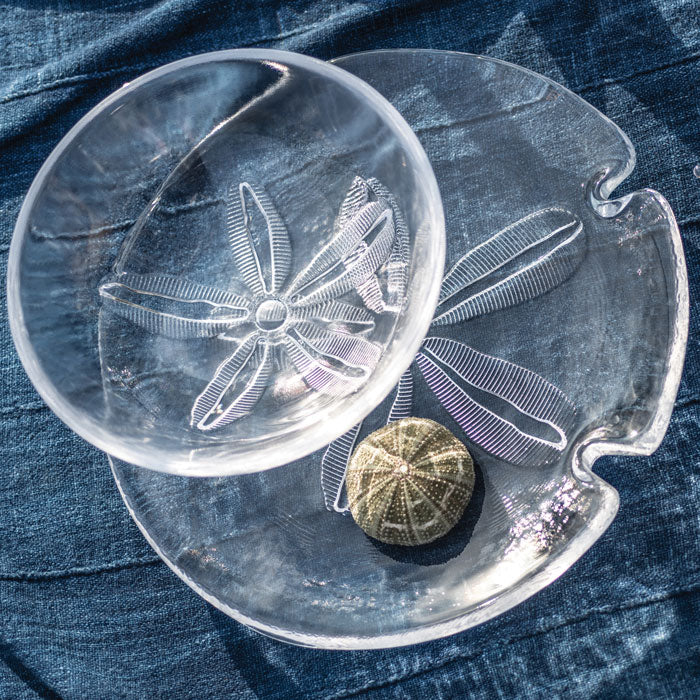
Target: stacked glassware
pixel 237 267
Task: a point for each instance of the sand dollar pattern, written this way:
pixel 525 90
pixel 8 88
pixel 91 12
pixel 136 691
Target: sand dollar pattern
pixel 276 318
pixel 523 261
pixel 409 482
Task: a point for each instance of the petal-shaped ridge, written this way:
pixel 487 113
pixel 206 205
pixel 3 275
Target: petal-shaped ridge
pixel 558 229
pixel 376 225
pixel 397 265
pixel 236 387
pixel 173 307
pixel 263 257
pixel 334 465
pixel 330 361
pixel 451 368
pixel 402 407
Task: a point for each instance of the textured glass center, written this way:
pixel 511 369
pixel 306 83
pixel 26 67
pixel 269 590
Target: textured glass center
pixel 270 315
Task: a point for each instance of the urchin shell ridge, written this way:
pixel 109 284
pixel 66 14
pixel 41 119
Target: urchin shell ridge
pixel 409 482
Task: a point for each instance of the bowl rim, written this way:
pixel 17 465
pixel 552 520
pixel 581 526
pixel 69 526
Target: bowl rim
pixel 304 439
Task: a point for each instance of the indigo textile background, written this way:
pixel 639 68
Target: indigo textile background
pixel 86 608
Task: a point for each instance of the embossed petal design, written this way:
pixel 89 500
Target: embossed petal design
pixel 303 317
pixel 453 370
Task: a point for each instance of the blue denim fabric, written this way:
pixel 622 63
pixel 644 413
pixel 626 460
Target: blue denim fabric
pixel 86 608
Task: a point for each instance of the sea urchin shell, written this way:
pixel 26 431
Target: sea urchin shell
pixel 409 482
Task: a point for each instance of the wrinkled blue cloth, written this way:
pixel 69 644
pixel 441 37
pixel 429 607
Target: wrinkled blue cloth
pixel 87 610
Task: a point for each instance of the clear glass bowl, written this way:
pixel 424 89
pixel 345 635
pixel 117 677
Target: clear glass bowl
pixel 559 338
pixel 226 263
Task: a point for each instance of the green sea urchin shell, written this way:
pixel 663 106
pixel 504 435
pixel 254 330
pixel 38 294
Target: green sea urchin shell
pixel 409 482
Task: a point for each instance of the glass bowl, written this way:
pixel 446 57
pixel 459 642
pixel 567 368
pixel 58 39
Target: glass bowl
pixel 559 338
pixel 226 263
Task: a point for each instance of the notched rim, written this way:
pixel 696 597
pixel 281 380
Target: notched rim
pixel 646 441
